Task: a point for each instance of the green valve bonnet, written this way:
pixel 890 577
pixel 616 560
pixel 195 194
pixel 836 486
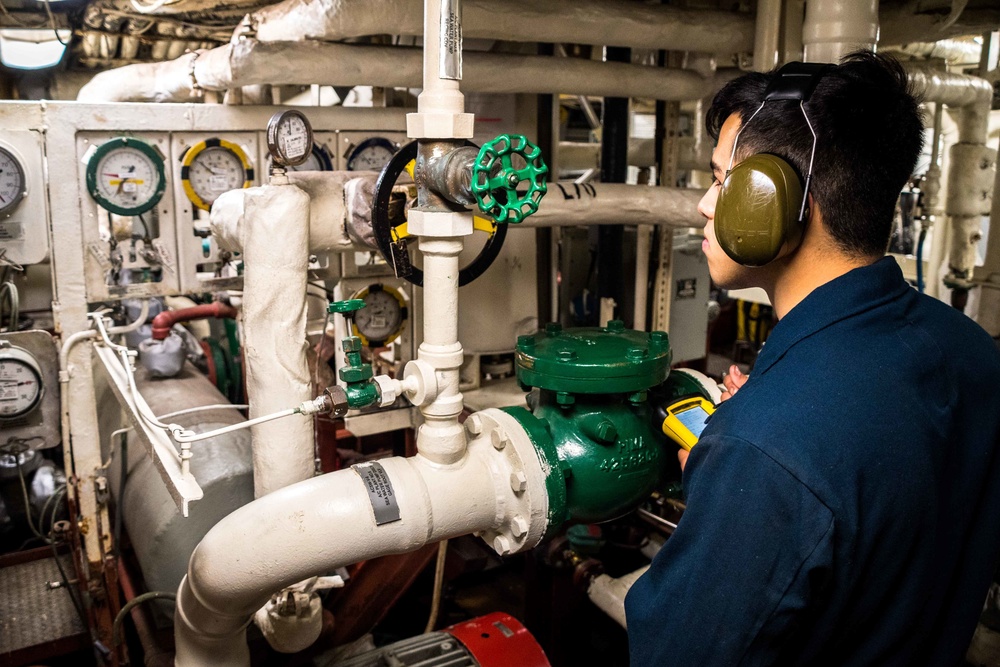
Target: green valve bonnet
pixel 593 360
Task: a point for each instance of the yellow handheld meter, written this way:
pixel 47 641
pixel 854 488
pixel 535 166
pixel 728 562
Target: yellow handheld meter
pixel 686 418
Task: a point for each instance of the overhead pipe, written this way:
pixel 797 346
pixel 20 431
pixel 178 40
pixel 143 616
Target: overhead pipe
pixel 901 23
pixel 953 51
pixel 595 22
pixel 834 29
pixel 251 62
pixel 767 35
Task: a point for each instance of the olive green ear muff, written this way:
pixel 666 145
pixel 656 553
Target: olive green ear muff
pixel 762 201
pixel 758 209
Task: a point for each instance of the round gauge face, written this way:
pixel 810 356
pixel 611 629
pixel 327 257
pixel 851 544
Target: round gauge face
pixel 11 181
pixel 20 387
pixel 289 138
pixel 381 320
pixel 371 155
pixel 215 170
pixel 126 177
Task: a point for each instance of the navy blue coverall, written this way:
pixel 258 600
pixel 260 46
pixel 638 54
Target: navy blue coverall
pixel 843 508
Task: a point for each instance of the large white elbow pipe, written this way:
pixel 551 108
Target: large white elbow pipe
pixel 393 506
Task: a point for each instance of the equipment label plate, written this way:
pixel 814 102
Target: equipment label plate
pixel 380 492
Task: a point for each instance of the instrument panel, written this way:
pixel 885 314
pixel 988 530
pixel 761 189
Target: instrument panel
pixel 146 179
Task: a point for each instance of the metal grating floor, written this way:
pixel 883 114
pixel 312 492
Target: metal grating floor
pixel 30 613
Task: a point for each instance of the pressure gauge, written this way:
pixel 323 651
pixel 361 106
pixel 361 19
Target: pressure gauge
pixel 289 138
pixel 20 382
pixel 125 176
pixel 12 185
pixel 318 160
pixel 382 319
pixel 212 167
pixel 371 154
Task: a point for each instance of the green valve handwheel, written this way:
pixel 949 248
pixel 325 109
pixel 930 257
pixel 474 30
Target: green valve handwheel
pixel 495 178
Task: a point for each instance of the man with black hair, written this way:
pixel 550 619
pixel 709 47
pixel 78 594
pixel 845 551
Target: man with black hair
pixel 843 505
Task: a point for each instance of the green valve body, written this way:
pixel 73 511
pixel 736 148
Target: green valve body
pixel 604 360
pixel 589 418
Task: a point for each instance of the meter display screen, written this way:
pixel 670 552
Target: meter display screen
pixel 694 419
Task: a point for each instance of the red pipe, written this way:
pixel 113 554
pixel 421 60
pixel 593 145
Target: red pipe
pixel 163 322
pixel 155 655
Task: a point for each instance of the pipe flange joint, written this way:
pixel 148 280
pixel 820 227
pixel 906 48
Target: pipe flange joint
pixel 440 125
pixel 519 479
pixel 441 224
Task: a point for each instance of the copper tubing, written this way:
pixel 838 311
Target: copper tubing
pixel 163 322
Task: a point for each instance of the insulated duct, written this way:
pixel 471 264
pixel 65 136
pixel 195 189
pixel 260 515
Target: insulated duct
pixel 251 62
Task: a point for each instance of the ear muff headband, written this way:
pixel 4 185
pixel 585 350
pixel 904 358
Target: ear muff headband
pixel 756 214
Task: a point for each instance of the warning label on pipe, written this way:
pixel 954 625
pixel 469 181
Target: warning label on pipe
pixel 380 492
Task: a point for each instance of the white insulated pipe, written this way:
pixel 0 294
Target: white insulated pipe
pixel 834 29
pixel 971 161
pixel 767 35
pixel 274 240
pixel 989 276
pixel 327 211
pixel 567 204
pixel 251 62
pixel 312 528
pixel 315 526
pixel 608 593
pixel 597 22
pixel 951 50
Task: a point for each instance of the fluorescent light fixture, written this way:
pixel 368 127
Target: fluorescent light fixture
pixel 32 49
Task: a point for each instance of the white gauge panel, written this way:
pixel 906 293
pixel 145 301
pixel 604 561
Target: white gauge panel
pixel 24 236
pixel 128 230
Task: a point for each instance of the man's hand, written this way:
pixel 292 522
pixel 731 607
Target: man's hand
pixel 733 381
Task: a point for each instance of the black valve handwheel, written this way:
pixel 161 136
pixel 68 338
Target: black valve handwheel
pixel 386 233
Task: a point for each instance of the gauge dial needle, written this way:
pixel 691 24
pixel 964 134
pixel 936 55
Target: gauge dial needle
pixel 2 200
